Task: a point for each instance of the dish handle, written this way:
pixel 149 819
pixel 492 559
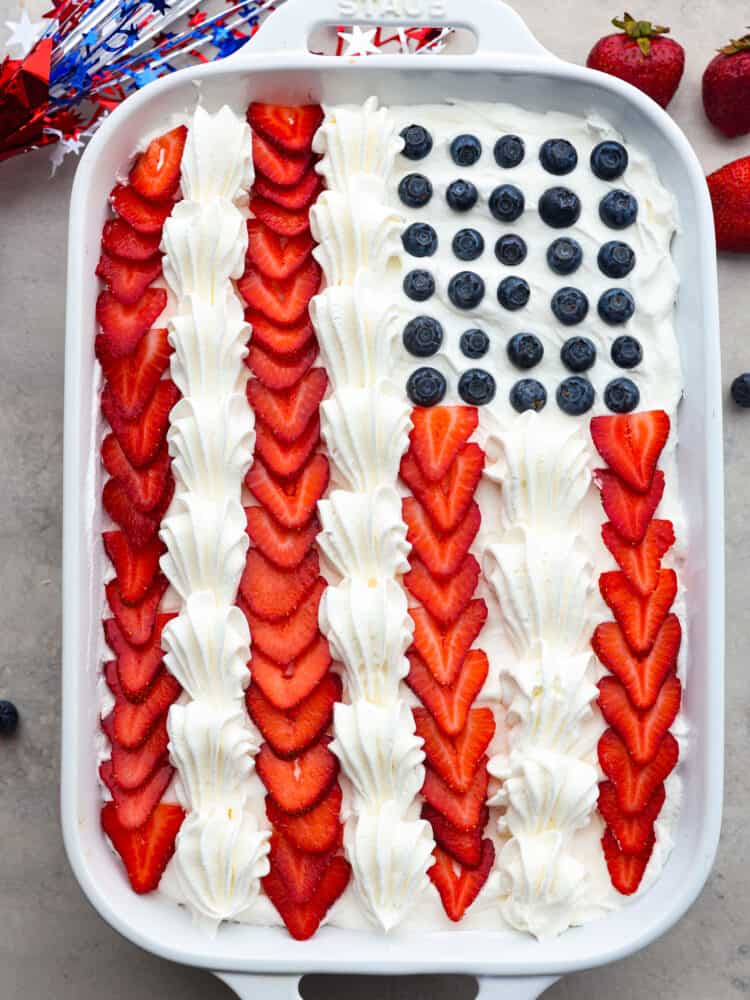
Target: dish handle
pixel 496 26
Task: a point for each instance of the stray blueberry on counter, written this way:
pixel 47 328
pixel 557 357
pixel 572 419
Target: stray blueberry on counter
pixel 525 350
pixel 476 387
pixel 8 718
pixel 426 386
pixel 564 255
pixel 626 352
pixel 423 336
pixel 417 142
pixel 474 343
pixel 466 290
pixel 528 394
pixel 575 395
pixel 461 196
pixel 510 250
pixel 509 151
pixel 468 244
pixel 741 390
pixel 616 259
pixel 578 354
pixel 513 293
pixel 622 395
pixel 507 203
pixel 558 156
pixel 466 150
pixel 616 306
pixel 618 209
pixel 560 207
pixel 420 240
pixel 609 160
pixel 570 306
pixel 415 190
pixel 419 285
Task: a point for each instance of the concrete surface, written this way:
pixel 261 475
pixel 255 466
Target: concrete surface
pixel 52 945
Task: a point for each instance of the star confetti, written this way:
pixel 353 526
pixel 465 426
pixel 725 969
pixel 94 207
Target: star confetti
pixel 358 42
pixel 23 35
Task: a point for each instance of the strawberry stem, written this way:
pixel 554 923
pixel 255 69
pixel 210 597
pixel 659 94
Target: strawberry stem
pixel 736 45
pixel 640 31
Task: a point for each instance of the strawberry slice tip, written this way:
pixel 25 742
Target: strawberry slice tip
pixel 145 852
pixel 631 443
pixel 156 173
pixel 290 128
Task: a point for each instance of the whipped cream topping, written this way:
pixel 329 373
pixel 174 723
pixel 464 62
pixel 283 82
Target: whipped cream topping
pixel 366 424
pixel 221 854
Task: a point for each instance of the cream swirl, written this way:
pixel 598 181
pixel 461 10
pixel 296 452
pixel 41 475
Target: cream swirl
pixel 363 534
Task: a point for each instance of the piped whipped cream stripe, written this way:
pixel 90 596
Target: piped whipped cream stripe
pixel 366 427
pixel 221 854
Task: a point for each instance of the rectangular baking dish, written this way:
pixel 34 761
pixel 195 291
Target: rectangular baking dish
pixel 509 65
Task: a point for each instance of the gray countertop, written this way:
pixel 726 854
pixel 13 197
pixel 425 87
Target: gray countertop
pixel 52 944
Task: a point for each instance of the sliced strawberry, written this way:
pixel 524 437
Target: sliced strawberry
pixel 625 870
pixel 464 846
pixel 441 552
pixel 444 599
pixel 298 785
pixel 629 512
pixel 132 768
pixel 449 706
pixel 458 891
pixel 318 830
pixel 280 220
pixel 455 759
pixel 140 528
pixel 291 732
pixel 303 920
pixel 642 677
pixel 286 684
pixel 137 666
pixel 133 379
pixel 285 640
pixel 279 371
pixel 641 563
pixel 288 413
pixel 121 240
pixel 134 807
pixel 294 501
pixel 291 128
pixel 279 167
pixel 631 443
pixel 144 216
pixel 127 280
pixel 642 730
pixel 137 622
pixel 462 809
pixel 300 196
pixel 639 617
pixel 635 784
pixel 145 852
pixel 272 593
pixel 632 833
pixel 447 500
pixel 286 549
pixel 156 173
pixel 275 256
pixel 300 872
pixel 133 722
pixel 284 301
pixel 279 339
pixel 281 457
pixel 144 487
pixel 124 325
pixel 438 434
pixel 444 650
pixel 136 568
pixel 142 439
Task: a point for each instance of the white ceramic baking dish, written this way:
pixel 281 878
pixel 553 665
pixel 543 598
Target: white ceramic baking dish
pixel 508 65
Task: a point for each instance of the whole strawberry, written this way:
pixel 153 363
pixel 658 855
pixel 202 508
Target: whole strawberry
pixel 726 88
pixel 730 195
pixel 641 55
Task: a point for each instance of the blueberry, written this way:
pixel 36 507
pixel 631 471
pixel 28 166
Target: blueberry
pixel 525 350
pixel 476 387
pixel 570 306
pixel 560 207
pixel 461 196
pixel 426 386
pixel 616 259
pixel 616 306
pixel 622 395
pixel 513 293
pixel 474 343
pixel 423 336
pixel 609 160
pixel 8 718
pixel 420 240
pixel 466 290
pixel 468 244
pixel 417 142
pixel 564 255
pixel 558 156
pixel 575 395
pixel 415 190
pixel 466 150
pixel 509 151
pixel 510 250
pixel 741 390
pixel 627 352
pixel 528 394
pixel 507 203
pixel 419 285
pixel 578 354
pixel 618 209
